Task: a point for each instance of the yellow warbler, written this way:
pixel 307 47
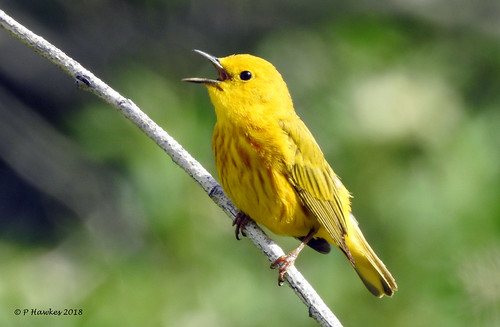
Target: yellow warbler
pixel 274 171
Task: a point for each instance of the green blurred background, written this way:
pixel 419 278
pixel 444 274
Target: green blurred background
pixel 402 97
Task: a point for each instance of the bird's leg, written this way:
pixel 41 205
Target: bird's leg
pixel 285 262
pixel 240 221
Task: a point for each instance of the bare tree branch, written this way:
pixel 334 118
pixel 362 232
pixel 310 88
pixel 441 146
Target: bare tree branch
pixel 88 81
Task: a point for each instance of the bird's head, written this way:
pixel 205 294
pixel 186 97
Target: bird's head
pixel 246 86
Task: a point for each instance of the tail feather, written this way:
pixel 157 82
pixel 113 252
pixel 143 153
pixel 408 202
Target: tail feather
pixel 369 267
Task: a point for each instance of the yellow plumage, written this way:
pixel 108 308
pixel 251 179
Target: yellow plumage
pixel 274 171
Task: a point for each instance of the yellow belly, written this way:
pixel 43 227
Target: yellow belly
pixel 252 176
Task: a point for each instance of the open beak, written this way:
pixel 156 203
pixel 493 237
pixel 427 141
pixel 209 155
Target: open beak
pixel 223 75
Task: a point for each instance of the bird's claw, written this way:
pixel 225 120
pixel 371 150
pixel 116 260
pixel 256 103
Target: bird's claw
pixel 284 263
pixel 240 221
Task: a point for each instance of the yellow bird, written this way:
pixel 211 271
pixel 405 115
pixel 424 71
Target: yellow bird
pixel 274 171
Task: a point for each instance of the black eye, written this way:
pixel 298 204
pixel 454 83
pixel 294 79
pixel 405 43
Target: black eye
pixel 245 75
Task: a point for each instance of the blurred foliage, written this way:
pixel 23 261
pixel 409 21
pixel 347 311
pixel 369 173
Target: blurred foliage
pixel 403 101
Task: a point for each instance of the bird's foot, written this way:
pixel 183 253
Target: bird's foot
pixel 284 263
pixel 240 221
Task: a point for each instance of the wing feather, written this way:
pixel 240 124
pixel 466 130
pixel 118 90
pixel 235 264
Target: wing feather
pixel 315 182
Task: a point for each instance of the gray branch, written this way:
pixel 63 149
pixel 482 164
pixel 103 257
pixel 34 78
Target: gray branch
pixel 89 82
